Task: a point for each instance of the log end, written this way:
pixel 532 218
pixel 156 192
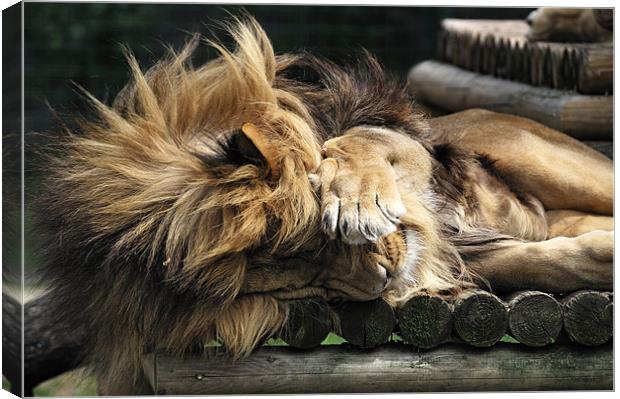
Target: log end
pixel 588 317
pixel 534 318
pixel 480 318
pixel 367 324
pixel 308 324
pixel 425 321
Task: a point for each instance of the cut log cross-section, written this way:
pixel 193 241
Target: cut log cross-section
pixel 480 318
pixel 425 320
pixel 366 324
pixel 308 324
pixel 534 318
pixel 588 317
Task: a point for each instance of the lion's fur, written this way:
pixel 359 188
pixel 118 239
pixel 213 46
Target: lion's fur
pixel 145 198
pixel 571 24
pixel 160 241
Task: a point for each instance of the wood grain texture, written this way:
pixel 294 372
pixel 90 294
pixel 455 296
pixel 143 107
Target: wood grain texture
pixel 390 368
pixel 51 346
pixel 534 318
pixel 506 53
pixel 455 89
pixel 366 324
pixel 480 318
pixel 425 320
pixel 588 317
pixel 309 322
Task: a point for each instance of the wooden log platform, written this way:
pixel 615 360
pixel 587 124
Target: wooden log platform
pixel 462 336
pixel 454 89
pixel 476 317
pixel 501 48
pixel 388 368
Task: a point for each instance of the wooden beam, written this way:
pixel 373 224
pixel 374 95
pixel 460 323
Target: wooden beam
pixel 389 368
pixel 455 89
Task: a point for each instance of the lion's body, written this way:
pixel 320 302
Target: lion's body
pixel 204 199
pixel 571 24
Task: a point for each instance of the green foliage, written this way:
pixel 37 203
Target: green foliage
pixel 333 339
pixel 508 339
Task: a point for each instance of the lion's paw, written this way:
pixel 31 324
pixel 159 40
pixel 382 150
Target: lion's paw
pixel 360 200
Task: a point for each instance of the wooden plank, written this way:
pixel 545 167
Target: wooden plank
pixel 455 89
pixel 389 368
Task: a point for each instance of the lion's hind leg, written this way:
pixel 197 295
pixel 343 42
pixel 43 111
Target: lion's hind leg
pixel 557 265
pixel 560 171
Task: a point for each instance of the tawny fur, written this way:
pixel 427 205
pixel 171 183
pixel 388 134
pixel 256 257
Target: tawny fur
pixel 172 226
pixel 571 24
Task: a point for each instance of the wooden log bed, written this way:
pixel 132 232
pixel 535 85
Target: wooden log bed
pixel 427 345
pixel 389 368
pixel 501 48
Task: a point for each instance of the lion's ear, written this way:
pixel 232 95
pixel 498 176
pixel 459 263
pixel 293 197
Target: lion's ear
pixel 263 146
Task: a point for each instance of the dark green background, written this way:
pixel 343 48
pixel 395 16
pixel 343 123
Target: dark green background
pixel 81 42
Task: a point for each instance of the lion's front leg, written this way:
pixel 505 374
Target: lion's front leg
pixel 372 183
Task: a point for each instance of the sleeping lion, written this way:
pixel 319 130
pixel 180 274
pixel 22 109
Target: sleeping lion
pixel 205 199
